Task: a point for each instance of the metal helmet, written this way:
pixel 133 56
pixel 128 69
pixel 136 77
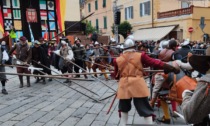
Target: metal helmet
pixel 164 44
pixel 129 43
pixel 130 37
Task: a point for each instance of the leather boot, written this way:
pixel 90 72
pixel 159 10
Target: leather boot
pixel 124 119
pixel 28 82
pixel 44 82
pixel 37 80
pixel 152 102
pixel 148 120
pixel 21 81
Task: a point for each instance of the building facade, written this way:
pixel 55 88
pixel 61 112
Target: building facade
pixel 148 14
pixel 102 19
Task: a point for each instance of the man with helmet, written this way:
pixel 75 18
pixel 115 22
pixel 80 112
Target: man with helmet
pixel 129 71
pixel 64 64
pixel 23 55
pixel 79 56
pixel 98 53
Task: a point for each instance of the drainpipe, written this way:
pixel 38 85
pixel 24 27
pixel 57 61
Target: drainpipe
pixel 152 13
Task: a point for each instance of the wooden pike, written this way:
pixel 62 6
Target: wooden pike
pixel 72 81
pixel 45 76
pixel 83 73
pixel 86 71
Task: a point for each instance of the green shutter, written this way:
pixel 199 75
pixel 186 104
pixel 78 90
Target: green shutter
pixel 96 5
pixel 89 7
pixel 90 23
pixel 97 26
pixel 104 3
pixel 105 22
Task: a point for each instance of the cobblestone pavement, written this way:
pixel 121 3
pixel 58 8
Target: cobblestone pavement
pixel 54 104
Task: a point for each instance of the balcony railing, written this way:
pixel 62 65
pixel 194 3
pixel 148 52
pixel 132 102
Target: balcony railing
pixel 173 13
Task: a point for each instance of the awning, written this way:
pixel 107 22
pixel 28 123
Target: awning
pixel 153 33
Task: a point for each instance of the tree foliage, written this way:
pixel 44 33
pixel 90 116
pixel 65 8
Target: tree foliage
pixel 124 28
pixel 89 28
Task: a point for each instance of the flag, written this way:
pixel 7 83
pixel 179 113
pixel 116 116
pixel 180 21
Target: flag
pixel 7 13
pixel 43 15
pixel 16 14
pixel 46 31
pixel 51 15
pixel 1 22
pixel 15 3
pixel 42 4
pixel 61 11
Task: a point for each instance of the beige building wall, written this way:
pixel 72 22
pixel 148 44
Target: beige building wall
pixel 72 10
pixel 100 14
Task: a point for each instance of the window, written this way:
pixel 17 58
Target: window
pixel 105 22
pixel 96 5
pixel 104 3
pixel 145 8
pixel 129 13
pixel 90 22
pixel 97 24
pixel 185 5
pixel 89 7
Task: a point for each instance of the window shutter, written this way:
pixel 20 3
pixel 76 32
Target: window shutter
pixel 149 7
pixel 97 24
pixel 141 14
pixel 104 3
pixel 105 23
pixel 96 5
pixel 126 13
pixel 132 12
pixel 89 7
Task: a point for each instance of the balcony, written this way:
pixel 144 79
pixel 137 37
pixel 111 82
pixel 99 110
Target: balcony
pixel 173 13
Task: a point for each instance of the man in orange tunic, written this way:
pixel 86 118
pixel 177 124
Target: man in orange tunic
pixel 129 71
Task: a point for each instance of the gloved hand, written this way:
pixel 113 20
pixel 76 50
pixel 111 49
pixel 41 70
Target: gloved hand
pixel 187 93
pixel 168 68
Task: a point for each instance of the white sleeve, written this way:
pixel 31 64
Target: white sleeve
pixel 186 66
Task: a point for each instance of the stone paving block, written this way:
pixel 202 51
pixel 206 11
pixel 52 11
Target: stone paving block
pixel 11 108
pixel 71 93
pixel 114 118
pixel 71 121
pixel 37 124
pixel 98 123
pixel 64 105
pixel 77 104
pixel 7 116
pixel 108 124
pixel 88 104
pixel 31 119
pixel 96 108
pixel 65 114
pixel 53 105
pixel 42 105
pixel 3 106
pixel 24 114
pixel 53 123
pixel 13 101
pixel 22 109
pixel 9 123
pixel 80 112
pixel 86 120
pixel 48 116
pixel 102 116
